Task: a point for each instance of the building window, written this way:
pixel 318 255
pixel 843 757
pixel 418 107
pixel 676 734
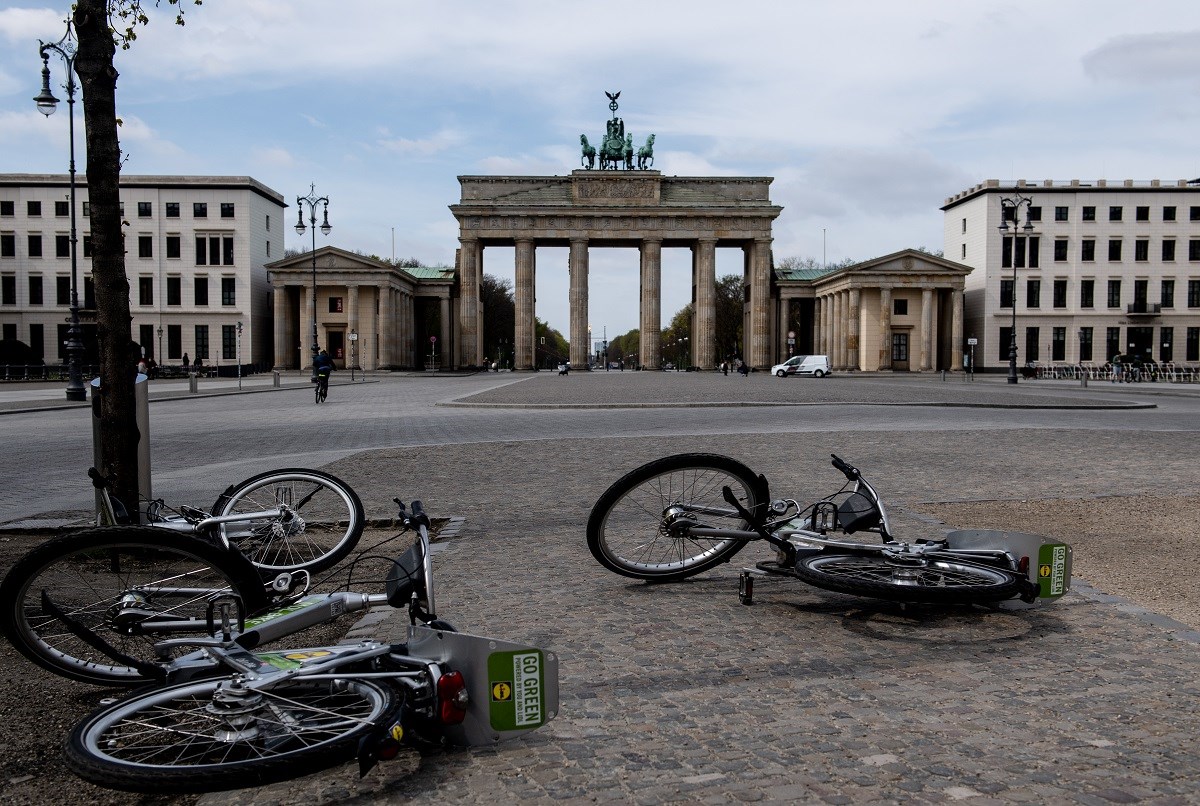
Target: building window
pixel 268 223
pixel 229 291
pixel 229 342
pixel 62 209
pixel 174 247
pixel 89 293
pixel 35 245
pixel 1194 293
pixel 1193 344
pixel 1114 293
pixel 87 209
pixel 1087 293
pixel 1168 214
pixel 1167 300
pixel 1168 250
pixel 1033 293
pixel 201 289
pixel 87 245
pixel 1114 213
pixel 1087 250
pixel 1193 249
pixel 1035 213
pixel 37 343
pixel 335 304
pixel 1058 344
pixel 8 244
pixel 145 246
pixel 145 291
pixel 213 250
pixel 1114 249
pixel 1060 214
pixel 199 210
pixel 8 208
pixel 8 289
pixel 62 245
pixel 172 209
pixel 1085 344
pixel 1060 293
pixel 174 291
pixel 226 209
pixel 1112 342
pixel 1166 338
pixel 35 289
pixel 1194 213
pixel 1141 290
pixel 1006 293
pixel 62 290
pixel 1031 344
pixel 964 226
pixel 227 251
pixel 899 307
pixel 1089 214
pixel 145 209
pixel 1141 249
pixel 269 250
pixel 175 341
pixel 1060 250
pixel 201 250
pixel 33 209
pixel 1142 213
pixel 1004 343
pixel 201 341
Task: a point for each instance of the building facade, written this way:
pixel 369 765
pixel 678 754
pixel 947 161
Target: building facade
pixel 196 252
pixel 1093 270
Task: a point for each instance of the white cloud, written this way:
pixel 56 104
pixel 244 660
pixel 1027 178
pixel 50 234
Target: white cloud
pixel 424 147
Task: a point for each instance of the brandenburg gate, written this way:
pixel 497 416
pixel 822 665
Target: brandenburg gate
pixel 617 208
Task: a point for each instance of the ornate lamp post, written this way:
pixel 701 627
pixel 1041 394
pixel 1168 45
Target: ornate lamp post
pixel 1015 203
pixel 46 104
pixel 312 200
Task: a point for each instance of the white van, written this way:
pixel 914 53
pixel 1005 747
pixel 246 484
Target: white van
pixel 815 365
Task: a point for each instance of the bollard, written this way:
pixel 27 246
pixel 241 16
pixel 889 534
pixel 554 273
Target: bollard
pixel 1083 380
pixel 943 376
pixel 141 402
pixel 275 378
pixel 193 383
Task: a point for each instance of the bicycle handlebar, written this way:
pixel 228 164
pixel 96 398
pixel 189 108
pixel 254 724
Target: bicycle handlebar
pixel 851 472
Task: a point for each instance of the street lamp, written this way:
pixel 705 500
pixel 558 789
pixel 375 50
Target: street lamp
pixel 160 332
pixel 313 200
pixel 46 104
pixel 1015 203
pixel 682 352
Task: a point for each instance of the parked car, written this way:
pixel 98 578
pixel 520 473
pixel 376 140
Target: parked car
pixel 815 365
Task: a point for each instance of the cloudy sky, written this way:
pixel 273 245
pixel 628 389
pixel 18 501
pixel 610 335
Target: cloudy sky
pixel 868 114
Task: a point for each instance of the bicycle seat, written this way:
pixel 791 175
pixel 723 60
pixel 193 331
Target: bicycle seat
pixel 857 513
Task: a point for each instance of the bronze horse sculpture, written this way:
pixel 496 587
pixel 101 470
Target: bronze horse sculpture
pixel 588 157
pixel 645 154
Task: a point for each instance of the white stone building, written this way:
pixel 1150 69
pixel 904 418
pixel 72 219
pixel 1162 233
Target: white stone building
pixel 196 251
pixel 1105 268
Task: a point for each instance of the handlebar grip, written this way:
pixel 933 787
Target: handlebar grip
pixel 417 509
pixel 848 469
pixel 98 480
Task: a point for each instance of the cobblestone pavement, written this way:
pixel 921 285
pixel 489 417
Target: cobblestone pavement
pixel 677 693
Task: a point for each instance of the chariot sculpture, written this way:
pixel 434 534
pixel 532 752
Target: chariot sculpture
pixel 616 149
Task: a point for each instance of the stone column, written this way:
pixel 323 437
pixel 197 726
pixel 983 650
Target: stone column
pixel 885 328
pixel 578 267
pixel 304 348
pixel 469 348
pixel 650 327
pixel 839 328
pixel 853 324
pixel 443 351
pixel 704 323
pixel 956 330
pixel 407 346
pixel 525 331
pixel 282 343
pixel 926 328
pixel 352 325
pixel 386 329
pixel 760 309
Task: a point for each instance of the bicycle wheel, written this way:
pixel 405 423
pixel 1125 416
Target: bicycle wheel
pixel 639 527
pixel 932 580
pixel 323 391
pixel 317 391
pixel 321 521
pixel 215 734
pixel 91 605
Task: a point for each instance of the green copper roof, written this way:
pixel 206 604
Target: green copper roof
pixel 431 272
pixel 802 274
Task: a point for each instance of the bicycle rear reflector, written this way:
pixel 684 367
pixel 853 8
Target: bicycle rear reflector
pixel 452 698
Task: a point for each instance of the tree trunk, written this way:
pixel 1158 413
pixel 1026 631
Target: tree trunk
pixel 118 364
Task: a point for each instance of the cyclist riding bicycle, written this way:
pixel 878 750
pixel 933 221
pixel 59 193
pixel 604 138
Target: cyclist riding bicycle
pixel 322 367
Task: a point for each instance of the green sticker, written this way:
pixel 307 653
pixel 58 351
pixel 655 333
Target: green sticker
pixel 1052 570
pixel 516 689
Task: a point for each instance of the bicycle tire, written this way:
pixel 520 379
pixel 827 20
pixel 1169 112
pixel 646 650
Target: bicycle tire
pixel 939 580
pixel 71 602
pixel 628 530
pixel 181 738
pixel 322 522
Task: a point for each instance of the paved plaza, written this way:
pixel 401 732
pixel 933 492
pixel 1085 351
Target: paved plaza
pixel 677 693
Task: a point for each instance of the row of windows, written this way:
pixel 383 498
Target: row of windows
pixel 145 209
pixel 200 342
pixel 1113 345
pixel 1025 251
pixel 1087 294
pixel 62 289
pixel 1088 213
pixel 211 250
